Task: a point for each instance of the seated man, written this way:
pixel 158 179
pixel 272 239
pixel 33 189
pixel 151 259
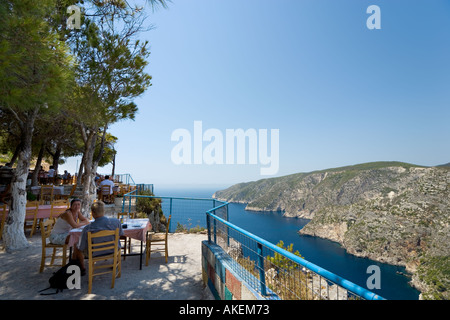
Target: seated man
pixel 107 182
pixel 101 223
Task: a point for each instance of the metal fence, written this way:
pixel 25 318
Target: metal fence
pixel 276 272
pixel 187 213
pixel 273 271
pixel 144 187
pixel 124 178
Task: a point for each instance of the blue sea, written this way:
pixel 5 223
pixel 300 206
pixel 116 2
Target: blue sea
pixel 273 227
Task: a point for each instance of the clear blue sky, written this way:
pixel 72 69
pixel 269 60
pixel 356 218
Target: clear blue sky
pixel 339 93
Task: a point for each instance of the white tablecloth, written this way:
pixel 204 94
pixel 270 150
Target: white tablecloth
pixel 36 190
pixel 136 229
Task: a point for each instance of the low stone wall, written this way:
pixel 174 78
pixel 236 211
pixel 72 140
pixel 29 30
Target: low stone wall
pixel 223 276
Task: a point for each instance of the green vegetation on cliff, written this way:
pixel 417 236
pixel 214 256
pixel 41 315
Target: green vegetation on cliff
pixel 392 212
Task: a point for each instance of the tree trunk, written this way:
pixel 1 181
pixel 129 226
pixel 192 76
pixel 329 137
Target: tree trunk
pixel 13 232
pixel 94 165
pixel 56 157
pixel 90 168
pixel 16 154
pixel 102 147
pixel 87 177
pixel 34 178
pixel 80 170
pixel 113 171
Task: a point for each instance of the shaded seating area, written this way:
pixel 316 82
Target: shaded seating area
pixel 40 219
pixel 52 177
pixel 47 187
pixel 21 279
pixel 47 190
pixel 52 256
pixel 35 213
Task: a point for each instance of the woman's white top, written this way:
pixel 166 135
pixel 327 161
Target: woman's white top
pixel 61 226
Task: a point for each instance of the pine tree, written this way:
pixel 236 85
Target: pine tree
pixel 35 70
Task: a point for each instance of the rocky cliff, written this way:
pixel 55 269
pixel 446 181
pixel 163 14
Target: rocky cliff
pixel 392 212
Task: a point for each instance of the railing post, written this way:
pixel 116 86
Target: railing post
pixel 215 231
pixel 129 203
pixel 228 229
pixel 262 273
pixel 208 226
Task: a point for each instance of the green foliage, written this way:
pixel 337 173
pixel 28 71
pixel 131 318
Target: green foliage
pixel 148 205
pixel 110 69
pixel 280 261
pixel 188 229
pixel 82 80
pixel 108 152
pixel 372 166
pixel 180 228
pixel 31 196
pixel 289 282
pixel 140 215
pixel 35 67
pixel 435 272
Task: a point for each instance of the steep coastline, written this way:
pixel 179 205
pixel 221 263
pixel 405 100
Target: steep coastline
pixel 391 212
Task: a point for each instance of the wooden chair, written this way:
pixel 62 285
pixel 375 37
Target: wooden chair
pixel 160 241
pixel 94 245
pixel 46 194
pixel 67 197
pixel 58 207
pixel 131 215
pixel 3 214
pixel 46 229
pixel 31 216
pixel 105 193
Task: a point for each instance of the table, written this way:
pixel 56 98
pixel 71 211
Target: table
pixel 44 210
pixel 136 229
pixel 57 190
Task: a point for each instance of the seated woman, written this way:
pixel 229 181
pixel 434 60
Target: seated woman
pixel 67 221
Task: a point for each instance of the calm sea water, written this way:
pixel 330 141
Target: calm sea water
pixel 329 255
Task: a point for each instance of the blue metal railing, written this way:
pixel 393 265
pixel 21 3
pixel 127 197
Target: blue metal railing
pixel 287 275
pixel 187 213
pixel 144 187
pixel 271 270
pixel 124 178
